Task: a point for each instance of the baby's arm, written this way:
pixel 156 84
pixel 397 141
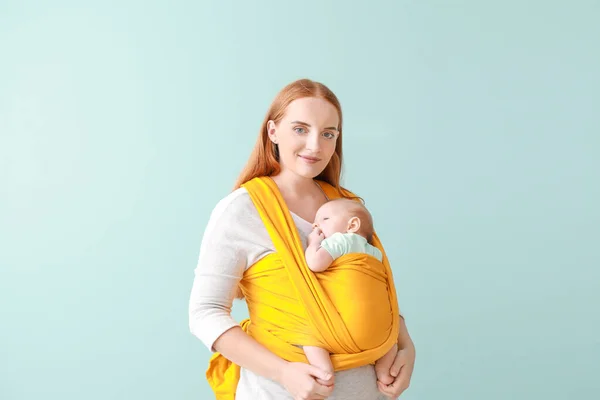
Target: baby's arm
pixel 317 258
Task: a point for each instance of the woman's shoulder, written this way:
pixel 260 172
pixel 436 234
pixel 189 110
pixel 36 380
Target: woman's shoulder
pixel 237 200
pixel 235 208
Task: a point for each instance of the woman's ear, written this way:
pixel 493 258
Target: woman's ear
pixel 272 131
pixel 353 224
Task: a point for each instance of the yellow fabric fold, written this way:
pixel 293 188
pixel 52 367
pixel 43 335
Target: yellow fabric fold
pixel 350 309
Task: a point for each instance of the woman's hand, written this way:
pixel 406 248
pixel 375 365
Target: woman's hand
pixel 402 370
pixel 300 380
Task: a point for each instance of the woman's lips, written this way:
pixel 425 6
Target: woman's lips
pixel 310 160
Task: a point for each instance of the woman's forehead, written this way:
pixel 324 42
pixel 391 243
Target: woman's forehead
pixel 312 111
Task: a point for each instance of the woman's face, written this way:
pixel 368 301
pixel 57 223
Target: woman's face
pixel 306 136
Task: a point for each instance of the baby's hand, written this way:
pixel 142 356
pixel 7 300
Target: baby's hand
pixel 316 236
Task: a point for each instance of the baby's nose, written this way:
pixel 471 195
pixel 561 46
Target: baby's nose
pixel 315 225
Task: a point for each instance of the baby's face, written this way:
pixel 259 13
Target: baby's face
pixel 332 217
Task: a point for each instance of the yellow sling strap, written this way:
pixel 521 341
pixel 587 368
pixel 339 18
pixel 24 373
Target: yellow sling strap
pixel 351 309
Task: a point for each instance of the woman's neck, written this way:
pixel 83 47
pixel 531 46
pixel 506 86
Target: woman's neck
pixel 294 185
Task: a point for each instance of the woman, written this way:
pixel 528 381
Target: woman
pixel 300 144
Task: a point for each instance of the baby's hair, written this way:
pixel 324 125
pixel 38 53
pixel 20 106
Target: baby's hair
pixel 366 220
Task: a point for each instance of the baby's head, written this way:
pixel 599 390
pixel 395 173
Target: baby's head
pixel 345 216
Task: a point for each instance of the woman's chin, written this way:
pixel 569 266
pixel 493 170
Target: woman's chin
pixel 309 171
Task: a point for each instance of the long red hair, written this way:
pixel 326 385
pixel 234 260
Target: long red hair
pixel 264 158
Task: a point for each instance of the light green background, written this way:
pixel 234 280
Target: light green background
pixel 471 129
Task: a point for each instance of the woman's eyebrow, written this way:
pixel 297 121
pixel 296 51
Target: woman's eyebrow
pixel 308 125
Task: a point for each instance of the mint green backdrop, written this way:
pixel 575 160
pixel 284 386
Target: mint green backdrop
pixel 471 129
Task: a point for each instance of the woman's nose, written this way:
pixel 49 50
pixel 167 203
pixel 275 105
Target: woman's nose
pixel 313 143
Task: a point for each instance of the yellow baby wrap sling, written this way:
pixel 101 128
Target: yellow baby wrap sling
pixel 350 309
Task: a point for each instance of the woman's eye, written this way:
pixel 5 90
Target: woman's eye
pixel 299 130
pixel 329 135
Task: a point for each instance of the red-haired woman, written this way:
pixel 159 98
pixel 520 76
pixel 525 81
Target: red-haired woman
pixel 294 168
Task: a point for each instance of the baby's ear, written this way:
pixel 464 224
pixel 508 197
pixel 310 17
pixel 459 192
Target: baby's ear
pixel 353 225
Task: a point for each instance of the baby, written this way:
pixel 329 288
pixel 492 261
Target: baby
pixel 342 226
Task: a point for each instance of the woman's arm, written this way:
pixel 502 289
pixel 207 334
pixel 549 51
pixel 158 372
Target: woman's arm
pixel 297 378
pixel 403 366
pixel 243 350
pixel 225 252
pixel 404 339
